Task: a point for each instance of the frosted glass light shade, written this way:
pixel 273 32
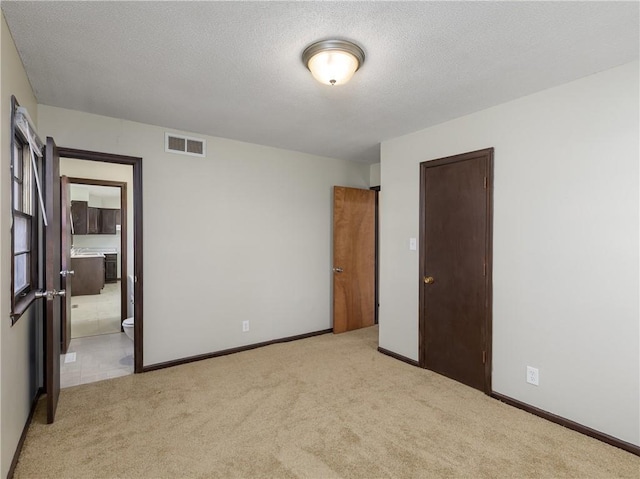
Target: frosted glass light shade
pixel 333 62
pixel 333 67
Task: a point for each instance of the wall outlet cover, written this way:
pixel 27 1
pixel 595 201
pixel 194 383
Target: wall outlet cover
pixel 245 326
pixel 533 376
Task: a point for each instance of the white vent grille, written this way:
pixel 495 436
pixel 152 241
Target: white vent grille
pixel 184 145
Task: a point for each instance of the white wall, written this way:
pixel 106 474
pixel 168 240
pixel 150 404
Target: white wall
pixel 16 347
pixel 374 175
pixel 110 201
pixel 566 222
pixel 243 234
pixel 95 195
pixel 77 192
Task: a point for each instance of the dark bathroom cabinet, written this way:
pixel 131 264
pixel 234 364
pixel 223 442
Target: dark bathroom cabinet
pixel 80 217
pixel 93 221
pixel 110 268
pixel 108 221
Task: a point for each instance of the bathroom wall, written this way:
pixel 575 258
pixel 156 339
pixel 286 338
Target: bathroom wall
pixel 565 245
pixel 108 202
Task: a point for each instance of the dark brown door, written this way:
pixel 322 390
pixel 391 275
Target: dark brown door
pixel 52 277
pixel 66 272
pixel 455 259
pixel 353 258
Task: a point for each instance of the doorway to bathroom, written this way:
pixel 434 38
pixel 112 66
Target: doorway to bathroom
pixel 99 256
pixel 92 340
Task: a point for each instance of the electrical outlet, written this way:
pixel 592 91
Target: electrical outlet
pixel 245 326
pixel 70 358
pixel 532 376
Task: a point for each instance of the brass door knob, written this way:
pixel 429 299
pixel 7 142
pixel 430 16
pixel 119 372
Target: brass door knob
pixel 429 280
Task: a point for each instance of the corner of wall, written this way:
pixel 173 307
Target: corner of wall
pixel 15 389
pixel 551 233
pixel 374 174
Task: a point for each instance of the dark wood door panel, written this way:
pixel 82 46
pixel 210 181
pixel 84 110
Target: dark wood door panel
pixel 65 257
pixel 52 278
pixel 455 253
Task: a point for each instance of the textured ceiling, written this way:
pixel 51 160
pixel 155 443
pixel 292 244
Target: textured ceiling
pixel 233 69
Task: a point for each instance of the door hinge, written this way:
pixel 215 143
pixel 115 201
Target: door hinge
pixel 485 182
pixel 484 357
pixel 485 268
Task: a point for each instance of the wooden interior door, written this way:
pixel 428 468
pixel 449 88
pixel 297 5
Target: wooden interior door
pixel 455 258
pixel 353 258
pixel 66 271
pixel 52 305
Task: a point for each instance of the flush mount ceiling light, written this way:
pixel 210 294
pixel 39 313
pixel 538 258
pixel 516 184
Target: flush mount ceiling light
pixel 333 62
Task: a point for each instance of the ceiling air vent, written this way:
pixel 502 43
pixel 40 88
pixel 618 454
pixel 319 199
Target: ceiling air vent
pixel 184 145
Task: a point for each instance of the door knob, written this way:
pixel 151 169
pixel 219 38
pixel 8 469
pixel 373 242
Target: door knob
pixel 337 270
pixel 428 280
pixel 65 273
pixel 49 295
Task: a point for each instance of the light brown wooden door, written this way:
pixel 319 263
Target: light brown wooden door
pixel 66 271
pixel 353 258
pixel 455 258
pixel 52 277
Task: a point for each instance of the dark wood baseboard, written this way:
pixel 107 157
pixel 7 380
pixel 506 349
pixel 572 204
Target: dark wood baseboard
pixel 200 357
pixel 587 431
pixel 399 357
pixel 23 436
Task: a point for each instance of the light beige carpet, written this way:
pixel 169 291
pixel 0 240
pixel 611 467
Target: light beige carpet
pixel 324 407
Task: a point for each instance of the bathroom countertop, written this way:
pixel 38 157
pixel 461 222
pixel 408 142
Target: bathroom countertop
pixel 80 252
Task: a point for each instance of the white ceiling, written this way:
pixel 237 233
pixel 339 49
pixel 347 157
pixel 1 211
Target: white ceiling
pixel 233 69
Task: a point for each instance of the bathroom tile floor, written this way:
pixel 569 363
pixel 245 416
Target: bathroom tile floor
pixel 97 313
pixel 96 358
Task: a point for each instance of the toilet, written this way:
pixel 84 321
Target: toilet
pixel 127 325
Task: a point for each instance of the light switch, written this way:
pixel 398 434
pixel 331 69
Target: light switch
pixel 413 246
